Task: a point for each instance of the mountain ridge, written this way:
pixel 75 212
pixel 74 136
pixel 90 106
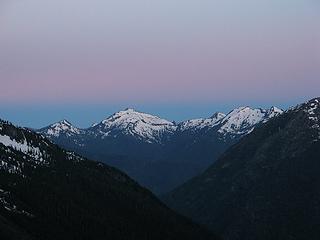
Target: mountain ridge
pixel 134 117
pixel 147 147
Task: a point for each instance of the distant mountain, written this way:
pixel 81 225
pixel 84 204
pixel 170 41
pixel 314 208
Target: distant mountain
pixel 201 123
pixel 267 186
pixel 158 153
pixel 142 126
pixel 50 193
pixel 128 123
pixel 63 128
pixel 239 121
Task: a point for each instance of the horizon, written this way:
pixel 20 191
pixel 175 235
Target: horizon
pixel 84 116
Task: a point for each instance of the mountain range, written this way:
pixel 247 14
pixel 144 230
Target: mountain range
pixel 50 193
pixel 266 186
pixel 262 179
pixel 158 153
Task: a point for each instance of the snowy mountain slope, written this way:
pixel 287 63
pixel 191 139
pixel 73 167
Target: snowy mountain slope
pixel 242 121
pixel 22 148
pixel 130 122
pixel 21 153
pixel 239 122
pixel 200 123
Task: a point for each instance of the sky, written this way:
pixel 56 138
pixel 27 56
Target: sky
pixel 85 59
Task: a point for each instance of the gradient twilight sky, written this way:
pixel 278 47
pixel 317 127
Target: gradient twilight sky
pixel 175 58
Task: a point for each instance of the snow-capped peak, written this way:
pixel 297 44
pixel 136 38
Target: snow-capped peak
pixel 61 127
pixel 243 120
pixel 201 123
pixel 130 115
pixel 132 122
pixel 153 129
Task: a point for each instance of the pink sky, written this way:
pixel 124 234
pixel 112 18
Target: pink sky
pixel 180 51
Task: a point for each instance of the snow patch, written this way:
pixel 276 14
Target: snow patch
pixel 10 168
pixel 313 115
pixel 22 147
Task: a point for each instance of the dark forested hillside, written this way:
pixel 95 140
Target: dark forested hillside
pixel 49 193
pixel 267 186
